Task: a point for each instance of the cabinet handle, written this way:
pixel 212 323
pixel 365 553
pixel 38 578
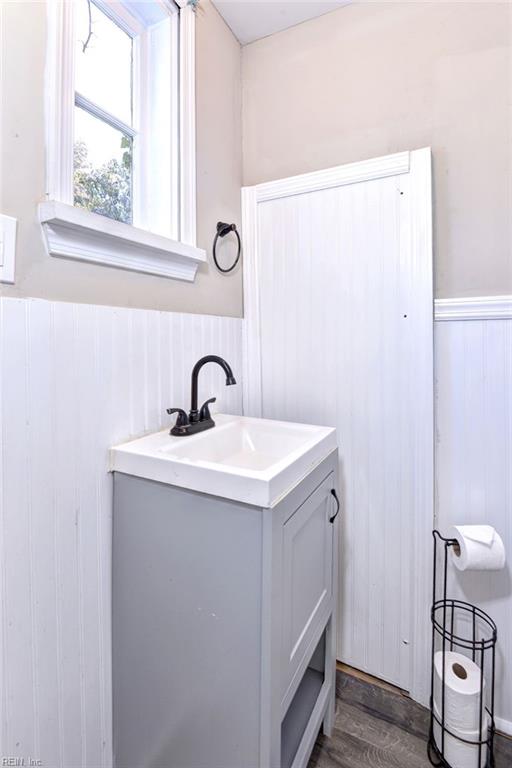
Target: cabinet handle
pixel 333 518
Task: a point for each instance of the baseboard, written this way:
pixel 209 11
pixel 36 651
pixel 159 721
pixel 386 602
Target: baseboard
pixel 474 308
pixel 503 726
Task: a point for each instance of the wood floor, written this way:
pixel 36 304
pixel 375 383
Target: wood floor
pixel 377 728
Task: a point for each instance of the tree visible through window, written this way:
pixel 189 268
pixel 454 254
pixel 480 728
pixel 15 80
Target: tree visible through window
pixel 105 190
pixel 104 133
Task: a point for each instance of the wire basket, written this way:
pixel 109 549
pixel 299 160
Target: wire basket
pixel 463 628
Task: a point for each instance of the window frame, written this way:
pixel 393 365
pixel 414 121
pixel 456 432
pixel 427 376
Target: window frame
pixel 60 106
pixel 131 26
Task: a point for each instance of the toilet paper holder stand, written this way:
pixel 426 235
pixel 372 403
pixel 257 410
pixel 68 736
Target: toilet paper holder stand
pixel 478 642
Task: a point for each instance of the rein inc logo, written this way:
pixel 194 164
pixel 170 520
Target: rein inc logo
pixel 21 762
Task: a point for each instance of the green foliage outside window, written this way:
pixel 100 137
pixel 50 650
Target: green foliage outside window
pixel 106 190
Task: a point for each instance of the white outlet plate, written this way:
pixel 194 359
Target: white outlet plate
pixel 7 248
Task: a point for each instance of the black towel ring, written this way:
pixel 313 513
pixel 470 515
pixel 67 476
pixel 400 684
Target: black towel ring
pixel 222 230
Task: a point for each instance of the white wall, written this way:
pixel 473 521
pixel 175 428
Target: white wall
pixel 75 379
pixel 345 340
pixel 474 464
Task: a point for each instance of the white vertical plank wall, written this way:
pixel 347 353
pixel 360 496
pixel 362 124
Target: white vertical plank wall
pixel 327 359
pixel 474 459
pixel 76 379
pixel 339 331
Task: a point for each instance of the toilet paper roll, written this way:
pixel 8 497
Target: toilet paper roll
pixel 460 754
pixel 479 548
pixel 461 691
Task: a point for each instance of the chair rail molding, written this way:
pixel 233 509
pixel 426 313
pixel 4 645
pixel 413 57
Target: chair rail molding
pixel 474 308
pixel 351 173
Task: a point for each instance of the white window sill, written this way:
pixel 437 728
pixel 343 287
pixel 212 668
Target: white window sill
pixel 74 233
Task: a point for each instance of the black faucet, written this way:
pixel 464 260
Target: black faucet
pixel 197 421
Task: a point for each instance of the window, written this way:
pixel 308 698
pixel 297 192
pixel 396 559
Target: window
pixel 104 134
pixel 121 134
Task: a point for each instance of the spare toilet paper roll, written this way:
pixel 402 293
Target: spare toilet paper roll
pixel 460 754
pixel 461 691
pixel 479 548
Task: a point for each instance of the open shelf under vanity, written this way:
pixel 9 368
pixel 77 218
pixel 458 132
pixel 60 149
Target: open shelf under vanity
pixel 301 710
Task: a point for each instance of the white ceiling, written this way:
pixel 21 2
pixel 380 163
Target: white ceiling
pixel 251 19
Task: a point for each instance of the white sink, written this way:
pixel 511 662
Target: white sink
pixel 255 461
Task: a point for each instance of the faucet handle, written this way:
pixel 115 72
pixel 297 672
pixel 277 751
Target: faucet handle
pixel 182 419
pixel 204 413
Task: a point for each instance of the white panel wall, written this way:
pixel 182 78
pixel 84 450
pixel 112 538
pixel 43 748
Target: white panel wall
pixel 327 359
pixel 474 464
pixel 76 379
pixel 339 331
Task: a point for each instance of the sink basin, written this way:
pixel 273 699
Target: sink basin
pixel 255 461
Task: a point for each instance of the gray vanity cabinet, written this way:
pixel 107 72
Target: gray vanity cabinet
pixel 223 625
pixel 306 578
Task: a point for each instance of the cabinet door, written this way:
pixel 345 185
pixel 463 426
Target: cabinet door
pixel 307 576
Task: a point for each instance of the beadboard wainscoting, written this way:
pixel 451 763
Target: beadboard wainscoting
pixel 339 332
pixel 473 357
pixel 76 379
